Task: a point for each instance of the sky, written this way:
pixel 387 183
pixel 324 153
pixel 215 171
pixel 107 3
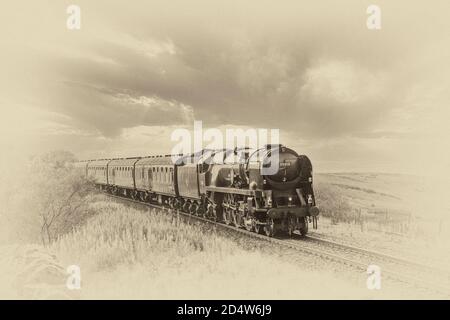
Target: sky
pixel 350 98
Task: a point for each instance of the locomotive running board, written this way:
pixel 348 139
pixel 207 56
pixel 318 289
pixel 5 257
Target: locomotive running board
pixel 230 190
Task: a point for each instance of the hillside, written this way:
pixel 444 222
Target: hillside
pixel 402 214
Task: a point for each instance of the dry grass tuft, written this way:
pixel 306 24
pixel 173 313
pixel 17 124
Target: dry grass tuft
pixel 120 235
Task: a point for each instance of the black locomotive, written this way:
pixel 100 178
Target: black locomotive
pixel 269 190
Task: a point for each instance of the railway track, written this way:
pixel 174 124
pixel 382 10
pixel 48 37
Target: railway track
pixel 396 269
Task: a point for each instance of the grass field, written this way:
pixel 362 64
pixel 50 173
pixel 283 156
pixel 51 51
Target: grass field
pixel 128 253
pixel 124 253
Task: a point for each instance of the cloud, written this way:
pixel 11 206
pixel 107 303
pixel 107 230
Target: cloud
pixel 341 97
pixel 312 70
pixel 267 70
pixel 109 112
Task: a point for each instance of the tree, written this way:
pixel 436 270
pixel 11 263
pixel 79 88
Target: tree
pixel 58 193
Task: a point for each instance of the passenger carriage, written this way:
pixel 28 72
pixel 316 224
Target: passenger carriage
pixel 97 170
pixel 155 179
pixel 121 176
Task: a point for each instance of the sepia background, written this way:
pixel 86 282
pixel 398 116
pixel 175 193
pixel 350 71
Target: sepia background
pixel 367 105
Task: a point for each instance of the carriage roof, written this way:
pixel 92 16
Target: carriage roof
pixel 155 160
pixel 100 163
pixel 126 162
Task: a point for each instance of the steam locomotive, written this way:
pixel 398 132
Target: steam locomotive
pixel 268 190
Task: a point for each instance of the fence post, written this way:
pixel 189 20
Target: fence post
pixel 360 218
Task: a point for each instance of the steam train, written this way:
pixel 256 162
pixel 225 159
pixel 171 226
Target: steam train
pixel 232 186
